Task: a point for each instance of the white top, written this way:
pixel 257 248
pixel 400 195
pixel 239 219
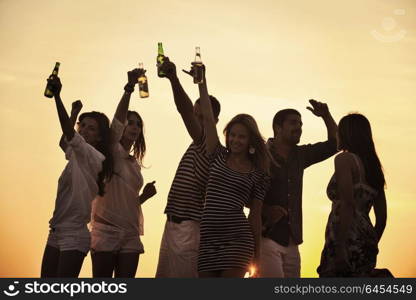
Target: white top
pixel 120 205
pixel 77 186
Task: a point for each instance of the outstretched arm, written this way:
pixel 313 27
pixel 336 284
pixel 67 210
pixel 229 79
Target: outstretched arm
pixel 183 103
pixel 66 125
pixel 212 139
pixel 320 109
pixel 76 108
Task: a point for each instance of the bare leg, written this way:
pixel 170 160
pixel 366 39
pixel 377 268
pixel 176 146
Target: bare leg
pixel 126 265
pixel 70 263
pixel 50 262
pixel 234 273
pixel 103 264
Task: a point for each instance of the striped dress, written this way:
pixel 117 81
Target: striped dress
pixel 226 238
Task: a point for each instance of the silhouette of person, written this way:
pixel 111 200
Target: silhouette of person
pixel 357 185
pixel 89 164
pixel 282 210
pixel 237 178
pixel 117 218
pixel 180 241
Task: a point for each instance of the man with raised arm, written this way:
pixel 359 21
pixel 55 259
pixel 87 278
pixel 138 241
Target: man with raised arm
pixel 178 255
pixel 282 209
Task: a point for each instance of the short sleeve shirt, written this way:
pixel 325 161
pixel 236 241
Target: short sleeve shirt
pixel 77 185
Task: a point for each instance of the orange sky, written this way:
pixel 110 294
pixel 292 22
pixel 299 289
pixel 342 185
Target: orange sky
pixel 261 56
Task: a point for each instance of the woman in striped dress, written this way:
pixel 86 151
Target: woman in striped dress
pixel 229 241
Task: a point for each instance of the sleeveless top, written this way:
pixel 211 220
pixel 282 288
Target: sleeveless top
pixel 361 240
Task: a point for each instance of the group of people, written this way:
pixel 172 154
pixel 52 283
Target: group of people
pixel 207 233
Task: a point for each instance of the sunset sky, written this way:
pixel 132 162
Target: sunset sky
pixel 261 56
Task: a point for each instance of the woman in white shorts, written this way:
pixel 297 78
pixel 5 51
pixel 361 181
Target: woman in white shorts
pixel 117 217
pixel 89 164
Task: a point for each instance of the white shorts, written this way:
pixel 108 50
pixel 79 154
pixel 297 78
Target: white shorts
pixel 108 238
pixel 178 256
pixel 278 261
pixel 66 239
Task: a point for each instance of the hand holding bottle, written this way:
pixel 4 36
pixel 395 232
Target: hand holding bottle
pixel 193 70
pixel 168 68
pixel 160 59
pixel 48 92
pixel 54 85
pixel 142 79
pixel 133 75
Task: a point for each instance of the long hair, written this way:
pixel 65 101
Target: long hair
pixel 139 146
pixel 103 146
pixel 261 156
pixel 354 133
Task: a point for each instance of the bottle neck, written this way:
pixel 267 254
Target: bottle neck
pixel 160 49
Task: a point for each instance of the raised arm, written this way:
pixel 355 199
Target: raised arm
pixel 380 210
pixel 212 139
pixel 320 109
pixel 123 105
pixel 67 128
pixel 76 108
pixel 183 103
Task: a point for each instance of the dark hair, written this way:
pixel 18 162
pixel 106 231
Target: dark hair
pixel 215 104
pixel 354 133
pixel 261 156
pixel 103 146
pixel 139 146
pixel 280 117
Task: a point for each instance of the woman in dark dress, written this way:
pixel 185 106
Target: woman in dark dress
pixel 351 240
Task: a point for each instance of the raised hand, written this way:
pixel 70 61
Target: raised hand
pixel 168 68
pixel 133 75
pixel 55 85
pixel 319 109
pixel 192 71
pixel 76 107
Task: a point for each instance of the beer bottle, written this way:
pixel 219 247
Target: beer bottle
pixel 198 66
pixel 159 60
pixel 143 87
pixel 48 92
